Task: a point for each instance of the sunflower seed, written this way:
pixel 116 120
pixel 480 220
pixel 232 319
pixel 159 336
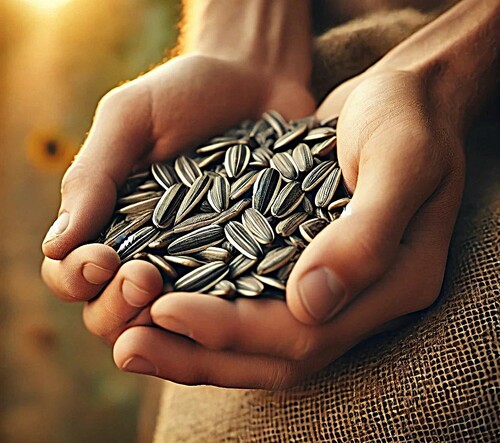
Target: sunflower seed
pixel 218 195
pixel 187 170
pixel 236 160
pixel 311 228
pixel 275 259
pixel 290 137
pixel 242 184
pixel 337 204
pixel 317 174
pixel 195 194
pixel 218 146
pixel 197 240
pixel 284 163
pixel 319 134
pixel 329 121
pixel 239 265
pixel 125 230
pixel 205 161
pixel 202 278
pixel 164 174
pixel 287 200
pixel 184 260
pixel 242 240
pixel 249 286
pixel 163 265
pixel 233 211
pixel 138 176
pixel 163 240
pixel 213 253
pixel 290 224
pixel 136 208
pixel 224 289
pixel 136 242
pixel 150 185
pixel 275 121
pixel 166 208
pixel 258 226
pixel 328 188
pixel 285 271
pixel 262 155
pixel 265 189
pixel 307 206
pixel 270 281
pixel 325 147
pixel 137 197
pixel 196 221
pixel 302 157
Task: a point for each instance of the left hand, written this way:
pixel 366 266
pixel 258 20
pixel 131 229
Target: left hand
pixel 403 159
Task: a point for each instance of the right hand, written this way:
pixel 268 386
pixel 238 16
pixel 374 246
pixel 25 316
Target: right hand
pixel 159 115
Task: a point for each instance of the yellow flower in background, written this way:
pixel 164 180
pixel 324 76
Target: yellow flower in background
pixel 49 150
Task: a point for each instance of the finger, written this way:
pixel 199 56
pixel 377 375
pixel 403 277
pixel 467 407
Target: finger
pixel 266 327
pixel 153 351
pixel 82 274
pixel 136 285
pixel 243 325
pixel 118 138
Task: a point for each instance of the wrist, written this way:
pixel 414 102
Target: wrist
pixel 269 36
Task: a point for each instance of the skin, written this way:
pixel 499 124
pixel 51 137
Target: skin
pixel 400 146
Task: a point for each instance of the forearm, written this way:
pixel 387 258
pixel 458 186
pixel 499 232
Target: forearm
pixel 457 55
pixel 272 35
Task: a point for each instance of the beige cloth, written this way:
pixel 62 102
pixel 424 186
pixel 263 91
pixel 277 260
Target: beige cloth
pixel 435 380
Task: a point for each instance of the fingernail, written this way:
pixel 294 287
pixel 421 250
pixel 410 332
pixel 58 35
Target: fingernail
pixel 134 295
pixel 58 227
pixel 140 365
pixel 96 275
pixel 321 293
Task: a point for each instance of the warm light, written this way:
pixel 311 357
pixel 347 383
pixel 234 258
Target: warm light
pixel 46 5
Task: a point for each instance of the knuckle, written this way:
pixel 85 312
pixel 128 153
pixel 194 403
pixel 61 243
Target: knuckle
pixel 102 329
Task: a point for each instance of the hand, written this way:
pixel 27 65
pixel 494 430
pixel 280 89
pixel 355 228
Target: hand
pixel 160 114
pixel 403 159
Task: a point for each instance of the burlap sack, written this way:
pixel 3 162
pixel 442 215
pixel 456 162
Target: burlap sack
pixel 437 379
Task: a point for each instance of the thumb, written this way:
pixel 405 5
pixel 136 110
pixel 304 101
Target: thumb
pixel 358 248
pixel 118 138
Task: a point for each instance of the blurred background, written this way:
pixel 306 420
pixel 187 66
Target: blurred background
pixel 57 58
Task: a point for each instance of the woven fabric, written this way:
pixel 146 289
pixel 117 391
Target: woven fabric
pixel 435 380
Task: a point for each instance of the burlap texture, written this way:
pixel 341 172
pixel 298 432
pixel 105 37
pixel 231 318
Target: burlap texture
pixel 435 380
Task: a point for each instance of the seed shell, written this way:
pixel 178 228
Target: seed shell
pixel 302 157
pixel 167 206
pixel 284 163
pixel 224 289
pixel 236 160
pixel 187 170
pixel 311 228
pixel 290 224
pixel 275 259
pixel 218 195
pixel 328 188
pixel 265 189
pixel 258 226
pixel 249 286
pixel 243 184
pixel 290 137
pixel 239 265
pixel 270 281
pixel 202 278
pixel 317 174
pixel 164 174
pixel 197 240
pixel 287 200
pixel 195 194
pixel 242 240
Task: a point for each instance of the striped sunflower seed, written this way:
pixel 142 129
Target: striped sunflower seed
pixel 287 200
pixel 214 253
pixel 275 259
pixel 242 240
pixel 197 240
pixel 195 194
pixel 325 147
pixel 239 265
pixel 265 189
pixel 302 157
pixel 337 204
pixel 224 289
pixel 187 170
pixel 242 184
pixel 328 188
pixel 317 174
pixel 218 194
pixel 284 163
pixel 184 260
pixel 258 226
pixel 270 281
pixel 285 271
pixel 221 145
pixel 202 278
pixel 236 160
pixel 290 137
pixel 136 242
pixel 276 122
pixel 163 265
pixel 319 134
pixel 205 161
pixel 311 228
pixel 290 224
pixel 166 208
pixel 164 174
pixel 136 208
pixel 137 197
pixel 249 286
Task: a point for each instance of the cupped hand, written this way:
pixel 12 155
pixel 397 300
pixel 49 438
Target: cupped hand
pixel 152 118
pixel 402 157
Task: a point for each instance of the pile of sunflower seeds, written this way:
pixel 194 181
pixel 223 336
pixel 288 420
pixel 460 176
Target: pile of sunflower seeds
pixel 233 219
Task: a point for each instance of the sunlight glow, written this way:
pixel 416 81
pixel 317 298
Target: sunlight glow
pixel 46 5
